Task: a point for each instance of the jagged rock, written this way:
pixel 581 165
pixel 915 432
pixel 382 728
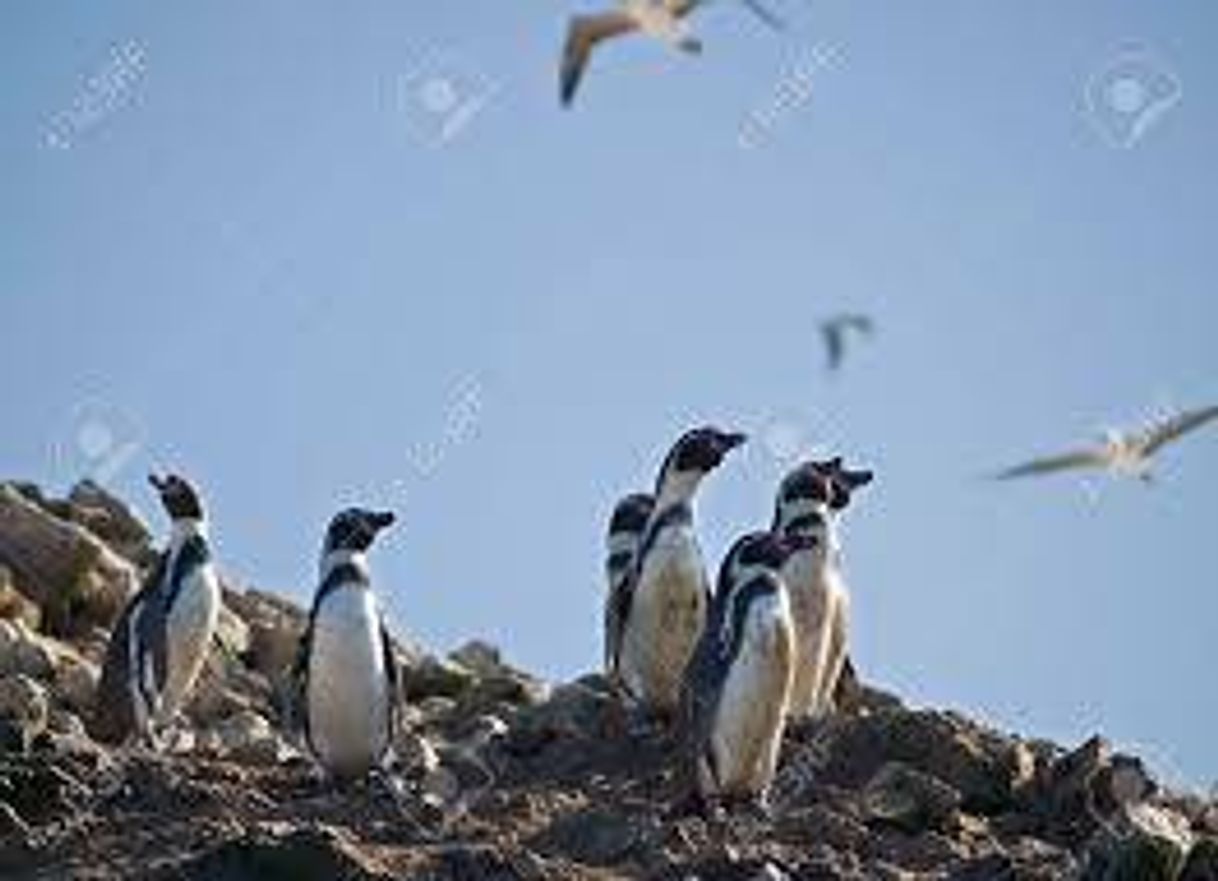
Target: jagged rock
pixel 416 754
pixel 1202 863
pixel 24 707
pixel 482 658
pixel 1144 842
pixel 904 797
pixel 111 520
pixel 74 577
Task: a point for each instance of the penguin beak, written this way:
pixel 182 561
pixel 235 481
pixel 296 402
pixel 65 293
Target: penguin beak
pixel 857 478
pixel 160 484
pixel 732 439
pixel 383 520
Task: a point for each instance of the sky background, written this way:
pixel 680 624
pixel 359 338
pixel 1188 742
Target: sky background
pixel 263 244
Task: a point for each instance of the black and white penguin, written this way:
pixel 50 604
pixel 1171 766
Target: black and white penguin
pixel 345 671
pixel 810 499
pixel 162 638
pixel 736 690
pixel 660 609
pixel 626 526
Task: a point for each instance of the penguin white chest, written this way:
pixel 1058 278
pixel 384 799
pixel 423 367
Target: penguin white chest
pixel 804 576
pixel 348 700
pixel 190 628
pixel 667 615
pixel 751 714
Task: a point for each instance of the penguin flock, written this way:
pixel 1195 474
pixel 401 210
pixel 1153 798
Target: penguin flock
pixel 727 668
pixel 722 668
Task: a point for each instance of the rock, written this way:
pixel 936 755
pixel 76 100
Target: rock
pixel 1202 863
pixel 248 737
pixel 232 633
pixel 904 797
pixel 14 606
pixel 274 627
pixel 111 520
pixel 597 837
pixel 986 768
pixel 482 658
pixel 24 706
pixel 437 677
pixel 1144 843
pixel 574 710
pixel 76 682
pixel 316 853
pixel 416 754
pixel 21 651
pixel 65 569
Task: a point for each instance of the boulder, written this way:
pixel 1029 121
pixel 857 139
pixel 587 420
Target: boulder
pixel 437 677
pixel 14 605
pixel 112 520
pixel 64 568
pixel 904 797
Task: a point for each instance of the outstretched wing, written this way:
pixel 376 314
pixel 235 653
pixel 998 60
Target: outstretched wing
pixel 831 332
pixel 1168 430
pixel 765 14
pixel 1051 464
pixel 584 32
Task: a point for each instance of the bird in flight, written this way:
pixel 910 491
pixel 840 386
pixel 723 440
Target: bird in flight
pixel 1121 453
pixel 664 20
pixel 835 330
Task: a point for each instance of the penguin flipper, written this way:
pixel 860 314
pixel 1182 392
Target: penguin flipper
pixel 297 711
pixel 617 611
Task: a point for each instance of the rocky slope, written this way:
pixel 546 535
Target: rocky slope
pixel 501 775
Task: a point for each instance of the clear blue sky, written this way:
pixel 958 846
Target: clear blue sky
pixel 238 249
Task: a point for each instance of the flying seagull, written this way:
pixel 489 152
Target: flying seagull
pixel 1124 454
pixel 835 330
pixel 663 20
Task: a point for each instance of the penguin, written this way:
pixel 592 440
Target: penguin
pixel 736 690
pixel 660 608
pixel 345 673
pixel 809 500
pixel 163 635
pixel 626 526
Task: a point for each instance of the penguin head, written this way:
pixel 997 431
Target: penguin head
pixel 355 529
pixel 756 553
pixel 697 453
pixel 803 496
pixel 844 481
pixel 631 513
pixel 179 498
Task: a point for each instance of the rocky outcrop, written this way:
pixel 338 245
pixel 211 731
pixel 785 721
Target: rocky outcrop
pixel 499 775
